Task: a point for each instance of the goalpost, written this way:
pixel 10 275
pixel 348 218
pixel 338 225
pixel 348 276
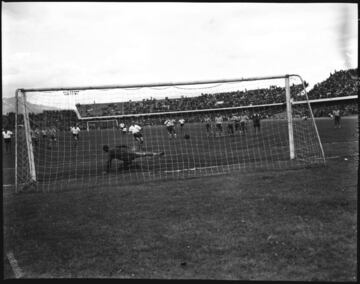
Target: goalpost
pixel 220 133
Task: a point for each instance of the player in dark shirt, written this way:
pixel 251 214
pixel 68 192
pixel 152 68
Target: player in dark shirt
pixel 126 155
pixel 256 121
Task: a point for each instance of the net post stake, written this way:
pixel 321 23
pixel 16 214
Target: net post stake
pixel 289 117
pixel 29 146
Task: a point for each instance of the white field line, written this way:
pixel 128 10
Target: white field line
pixel 14 265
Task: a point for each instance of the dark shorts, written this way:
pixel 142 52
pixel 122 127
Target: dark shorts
pixel 242 125
pixel 170 129
pixel 256 125
pixel 237 125
pixel 7 140
pixel 219 126
pixel 76 136
pixel 208 126
pixel 53 138
pixel 337 119
pixel 138 136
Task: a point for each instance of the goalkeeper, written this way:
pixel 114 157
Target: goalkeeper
pixel 126 155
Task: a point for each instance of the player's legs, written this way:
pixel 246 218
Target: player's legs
pixel 208 128
pixel 242 127
pixel 49 146
pixel 139 139
pixel 76 138
pixel 219 128
pixel 231 129
pixel 337 121
pixel 7 145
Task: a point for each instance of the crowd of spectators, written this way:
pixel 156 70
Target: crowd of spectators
pixel 270 95
pixel 340 83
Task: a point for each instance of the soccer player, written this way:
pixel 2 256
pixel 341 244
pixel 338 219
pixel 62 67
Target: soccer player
pixel 218 123
pixel 337 118
pixel 243 120
pixel 75 130
pixel 207 121
pixel 44 133
pixel 135 130
pixel 256 122
pixel 236 119
pixel 230 125
pixel 52 135
pixel 126 155
pixel 170 126
pixel 182 122
pixel 35 135
pixel 122 127
pixel 6 133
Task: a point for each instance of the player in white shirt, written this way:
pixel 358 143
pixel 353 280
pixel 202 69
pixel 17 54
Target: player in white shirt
pixel 135 130
pixel 170 126
pixel 75 130
pixel 243 120
pixel 182 122
pixel 7 139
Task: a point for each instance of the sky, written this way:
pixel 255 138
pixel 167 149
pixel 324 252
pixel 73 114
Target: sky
pixel 94 43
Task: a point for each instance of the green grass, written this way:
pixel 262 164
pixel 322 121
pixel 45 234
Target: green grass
pixel 274 225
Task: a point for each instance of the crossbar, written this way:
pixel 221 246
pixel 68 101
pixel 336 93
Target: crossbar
pixel 105 87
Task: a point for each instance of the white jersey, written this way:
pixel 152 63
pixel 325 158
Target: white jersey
pixel 7 134
pixel 181 121
pixel 244 118
pixel 75 130
pixel 134 129
pixel 218 119
pixel 170 122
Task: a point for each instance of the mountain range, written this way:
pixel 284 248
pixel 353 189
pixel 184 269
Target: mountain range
pixel 8 105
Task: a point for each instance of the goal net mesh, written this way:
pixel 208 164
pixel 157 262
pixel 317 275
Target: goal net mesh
pixel 239 126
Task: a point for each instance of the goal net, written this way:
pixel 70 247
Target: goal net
pixel 162 131
pixel 101 124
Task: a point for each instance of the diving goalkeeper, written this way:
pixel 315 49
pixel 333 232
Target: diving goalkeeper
pixel 126 155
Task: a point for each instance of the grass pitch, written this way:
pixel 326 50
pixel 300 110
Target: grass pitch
pixel 274 225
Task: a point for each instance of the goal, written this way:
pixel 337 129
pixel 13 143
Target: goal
pixel 101 124
pixel 188 129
